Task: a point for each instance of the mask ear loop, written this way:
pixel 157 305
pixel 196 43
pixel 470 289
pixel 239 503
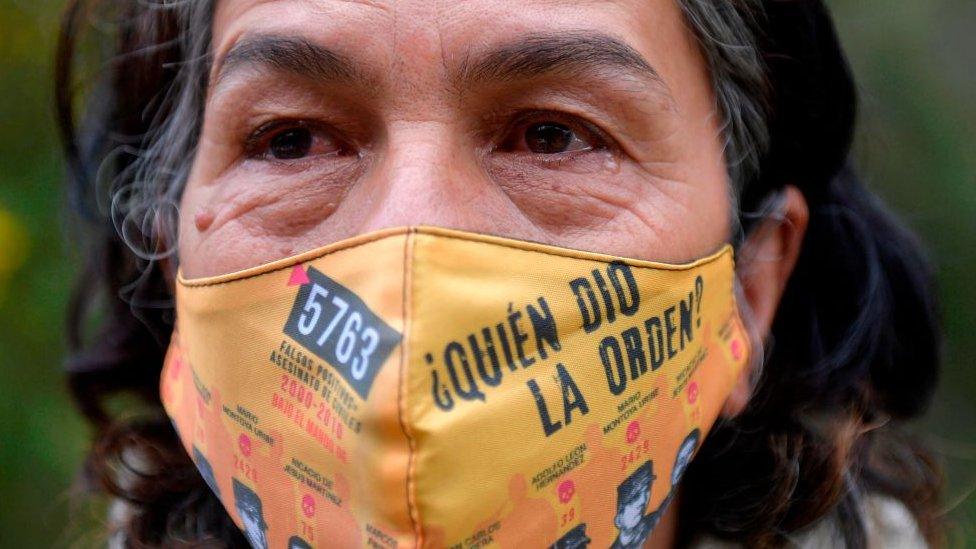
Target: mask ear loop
pixel 770 209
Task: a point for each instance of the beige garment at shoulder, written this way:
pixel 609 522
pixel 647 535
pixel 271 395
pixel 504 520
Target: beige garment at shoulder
pixel 889 526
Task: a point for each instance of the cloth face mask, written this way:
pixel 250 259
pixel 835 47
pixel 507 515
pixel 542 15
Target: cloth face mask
pixel 430 387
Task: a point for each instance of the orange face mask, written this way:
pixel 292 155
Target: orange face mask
pixel 429 387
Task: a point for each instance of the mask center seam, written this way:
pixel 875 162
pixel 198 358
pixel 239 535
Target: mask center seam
pixel 413 509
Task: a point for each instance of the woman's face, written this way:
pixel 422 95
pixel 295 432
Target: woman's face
pixel 589 125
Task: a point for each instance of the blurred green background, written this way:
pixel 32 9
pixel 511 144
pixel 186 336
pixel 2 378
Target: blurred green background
pixel 916 64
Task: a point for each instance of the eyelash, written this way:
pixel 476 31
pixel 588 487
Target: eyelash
pixel 514 131
pixel 257 143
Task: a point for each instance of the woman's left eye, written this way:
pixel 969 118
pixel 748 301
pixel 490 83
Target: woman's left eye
pixel 552 137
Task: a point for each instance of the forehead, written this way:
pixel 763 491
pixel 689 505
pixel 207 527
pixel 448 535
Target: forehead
pixel 409 38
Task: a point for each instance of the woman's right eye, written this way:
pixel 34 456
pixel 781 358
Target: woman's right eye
pixel 291 143
pixel 292 140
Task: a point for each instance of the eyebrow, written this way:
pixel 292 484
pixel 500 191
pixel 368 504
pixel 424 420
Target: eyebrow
pixel 290 55
pixel 574 54
pixel 566 53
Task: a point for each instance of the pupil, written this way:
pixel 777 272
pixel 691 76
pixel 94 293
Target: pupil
pixel 548 138
pixel 293 143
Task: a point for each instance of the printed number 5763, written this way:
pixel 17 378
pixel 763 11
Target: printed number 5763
pixel 353 337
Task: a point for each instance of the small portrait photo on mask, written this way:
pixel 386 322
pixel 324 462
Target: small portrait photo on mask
pixel 633 495
pixel 574 539
pixel 685 453
pixel 206 471
pixel 249 510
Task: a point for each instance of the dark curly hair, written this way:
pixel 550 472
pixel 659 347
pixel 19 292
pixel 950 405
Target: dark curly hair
pixel 853 353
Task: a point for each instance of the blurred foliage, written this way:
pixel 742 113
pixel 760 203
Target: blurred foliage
pixel 916 64
pixel 42 438
pixel 916 68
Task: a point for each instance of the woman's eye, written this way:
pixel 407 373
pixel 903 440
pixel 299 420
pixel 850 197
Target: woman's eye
pixel 291 141
pixel 552 137
pixel 290 144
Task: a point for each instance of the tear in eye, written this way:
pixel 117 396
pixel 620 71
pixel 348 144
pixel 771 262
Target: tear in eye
pixel 291 143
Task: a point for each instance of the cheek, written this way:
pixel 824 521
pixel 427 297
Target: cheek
pixel 628 214
pixel 570 201
pixel 650 218
pixel 674 209
pixel 248 217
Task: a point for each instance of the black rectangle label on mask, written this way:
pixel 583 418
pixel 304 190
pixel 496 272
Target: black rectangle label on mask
pixel 331 321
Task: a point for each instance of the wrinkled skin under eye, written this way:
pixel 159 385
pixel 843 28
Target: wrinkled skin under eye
pixel 297 172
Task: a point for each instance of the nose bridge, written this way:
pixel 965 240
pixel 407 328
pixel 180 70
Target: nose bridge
pixel 426 175
pixel 427 171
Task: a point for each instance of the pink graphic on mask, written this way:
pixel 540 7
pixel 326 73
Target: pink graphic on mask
pixel 633 431
pixel 692 392
pixel 566 490
pixel 298 276
pixel 736 349
pixel 308 505
pixel 244 443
